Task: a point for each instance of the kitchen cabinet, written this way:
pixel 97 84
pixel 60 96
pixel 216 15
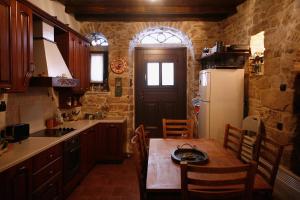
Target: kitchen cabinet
pixel 47 173
pixel 18 181
pixel 87 141
pixel 110 142
pixel 16 42
pixel 24 67
pixel 75 52
pixel 7 13
pixel 50 190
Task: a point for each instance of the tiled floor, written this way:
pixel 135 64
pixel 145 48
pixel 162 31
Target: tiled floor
pixel 109 182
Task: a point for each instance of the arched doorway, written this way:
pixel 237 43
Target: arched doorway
pixel 160 77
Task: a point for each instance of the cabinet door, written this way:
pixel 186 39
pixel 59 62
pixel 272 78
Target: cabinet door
pixel 84 145
pixel 18 181
pixel 72 53
pixel 87 149
pixel 109 142
pixel 7 8
pixel 85 67
pixel 24 49
pixel 52 189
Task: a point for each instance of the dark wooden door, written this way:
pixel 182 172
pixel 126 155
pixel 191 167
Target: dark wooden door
pixel 160 87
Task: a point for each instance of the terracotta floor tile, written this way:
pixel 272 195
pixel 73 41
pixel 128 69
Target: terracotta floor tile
pixel 109 182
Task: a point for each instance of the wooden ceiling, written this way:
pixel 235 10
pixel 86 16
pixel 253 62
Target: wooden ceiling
pixel 151 10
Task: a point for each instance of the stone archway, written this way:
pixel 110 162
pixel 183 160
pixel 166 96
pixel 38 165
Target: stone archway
pixel 185 42
pixel 121 38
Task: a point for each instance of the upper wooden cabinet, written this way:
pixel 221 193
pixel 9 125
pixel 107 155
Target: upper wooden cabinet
pixel 7 13
pixel 75 52
pixel 16 46
pixel 24 66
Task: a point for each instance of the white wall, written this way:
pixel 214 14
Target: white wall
pixel 55 8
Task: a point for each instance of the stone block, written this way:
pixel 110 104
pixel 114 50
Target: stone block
pixel 277 100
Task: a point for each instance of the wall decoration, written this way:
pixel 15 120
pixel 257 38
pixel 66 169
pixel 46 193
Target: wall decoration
pixel 118 65
pixel 118 87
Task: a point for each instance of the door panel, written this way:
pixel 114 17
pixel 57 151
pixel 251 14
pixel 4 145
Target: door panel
pixel 160 87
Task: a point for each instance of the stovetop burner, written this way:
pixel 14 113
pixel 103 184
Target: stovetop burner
pixel 52 132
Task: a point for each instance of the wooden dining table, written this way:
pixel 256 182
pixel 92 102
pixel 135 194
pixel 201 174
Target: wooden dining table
pixel 163 174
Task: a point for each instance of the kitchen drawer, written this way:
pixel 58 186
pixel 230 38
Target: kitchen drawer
pixel 50 190
pixel 47 156
pixel 47 172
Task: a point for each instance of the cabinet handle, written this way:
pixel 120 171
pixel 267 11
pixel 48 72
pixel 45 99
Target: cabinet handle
pixel 51 156
pixel 112 126
pixel 22 169
pixel 50 185
pixel 31 67
pixel 51 172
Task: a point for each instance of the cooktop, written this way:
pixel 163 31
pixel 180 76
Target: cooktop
pixel 52 132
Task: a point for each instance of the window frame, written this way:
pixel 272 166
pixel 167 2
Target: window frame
pixel 105 67
pixel 160 85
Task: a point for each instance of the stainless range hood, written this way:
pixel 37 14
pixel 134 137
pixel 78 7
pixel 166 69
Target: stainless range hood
pixel 50 67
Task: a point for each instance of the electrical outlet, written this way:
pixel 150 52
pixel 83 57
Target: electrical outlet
pixel 283 87
pixel 279 126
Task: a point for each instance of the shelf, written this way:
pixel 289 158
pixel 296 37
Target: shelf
pixel 226 53
pixel 233 59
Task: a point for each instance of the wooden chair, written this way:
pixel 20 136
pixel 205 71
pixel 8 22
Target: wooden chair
pixel 252 126
pixel 200 182
pixel 140 165
pixel 233 139
pixel 181 128
pixel 140 131
pixel 268 160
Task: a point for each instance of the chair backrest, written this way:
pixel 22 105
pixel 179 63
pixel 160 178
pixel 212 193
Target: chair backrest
pixel 141 134
pixel 252 125
pixel 140 164
pixel 233 139
pixel 217 182
pixel 181 128
pixel 268 160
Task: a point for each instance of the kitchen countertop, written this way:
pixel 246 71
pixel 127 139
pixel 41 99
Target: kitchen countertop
pixel 34 145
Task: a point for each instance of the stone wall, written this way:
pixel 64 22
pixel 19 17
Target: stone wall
pixel 281 22
pixel 121 37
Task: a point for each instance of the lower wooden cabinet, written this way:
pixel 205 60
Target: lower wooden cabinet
pixel 50 190
pixel 43 176
pixel 47 174
pixel 87 142
pixel 17 181
pixel 111 141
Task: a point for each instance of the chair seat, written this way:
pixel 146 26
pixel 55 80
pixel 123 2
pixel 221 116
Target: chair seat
pixel 260 184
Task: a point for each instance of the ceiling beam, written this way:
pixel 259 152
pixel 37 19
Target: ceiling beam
pixel 146 10
pixel 143 18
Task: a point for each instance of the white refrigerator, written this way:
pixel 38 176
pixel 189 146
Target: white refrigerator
pixel 221 101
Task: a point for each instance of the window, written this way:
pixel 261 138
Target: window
pixel 98 39
pixel 161 35
pixel 98 68
pixel 160 74
pixel 152 74
pixel 98 61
